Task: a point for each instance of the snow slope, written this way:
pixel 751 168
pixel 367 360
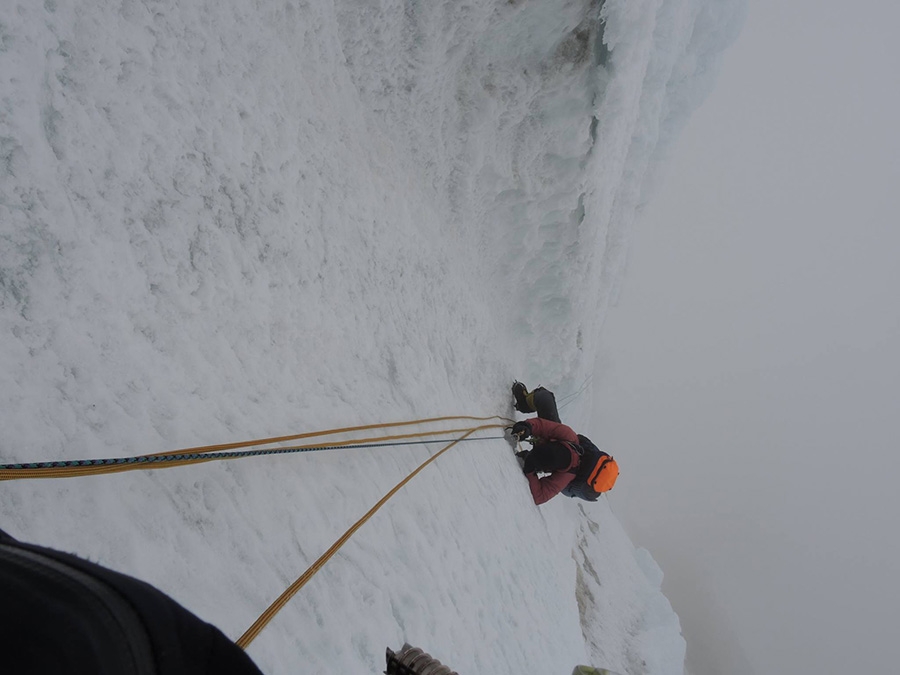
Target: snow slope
pixel 222 222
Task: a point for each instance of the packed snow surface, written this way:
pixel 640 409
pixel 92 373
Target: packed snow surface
pixel 223 220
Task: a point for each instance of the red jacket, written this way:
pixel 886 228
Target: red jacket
pixel 544 489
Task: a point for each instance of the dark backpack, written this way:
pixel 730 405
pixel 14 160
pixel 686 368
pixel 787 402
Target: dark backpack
pixel 64 614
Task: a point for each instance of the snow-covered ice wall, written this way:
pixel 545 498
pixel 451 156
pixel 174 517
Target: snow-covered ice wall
pixel 222 221
pixel 538 126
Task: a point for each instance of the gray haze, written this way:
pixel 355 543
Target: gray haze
pixel 750 384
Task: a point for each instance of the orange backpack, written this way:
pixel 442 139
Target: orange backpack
pixel 603 471
pixel 604 475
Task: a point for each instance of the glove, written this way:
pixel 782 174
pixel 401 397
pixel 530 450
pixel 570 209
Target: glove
pixel 521 430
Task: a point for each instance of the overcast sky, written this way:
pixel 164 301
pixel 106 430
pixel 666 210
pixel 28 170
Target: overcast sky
pixel 750 381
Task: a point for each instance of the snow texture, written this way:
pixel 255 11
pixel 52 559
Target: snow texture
pixel 229 220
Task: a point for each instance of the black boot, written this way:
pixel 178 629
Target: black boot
pixel 520 392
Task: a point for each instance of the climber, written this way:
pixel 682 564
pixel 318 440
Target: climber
pixel 560 460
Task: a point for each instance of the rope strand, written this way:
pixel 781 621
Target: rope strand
pixel 244 641
pixel 162 460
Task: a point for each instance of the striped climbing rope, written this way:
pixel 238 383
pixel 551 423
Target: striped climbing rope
pixel 166 459
pixel 91 467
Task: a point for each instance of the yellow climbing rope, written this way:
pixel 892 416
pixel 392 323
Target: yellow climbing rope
pixel 244 641
pixel 330 432
pixel 187 456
